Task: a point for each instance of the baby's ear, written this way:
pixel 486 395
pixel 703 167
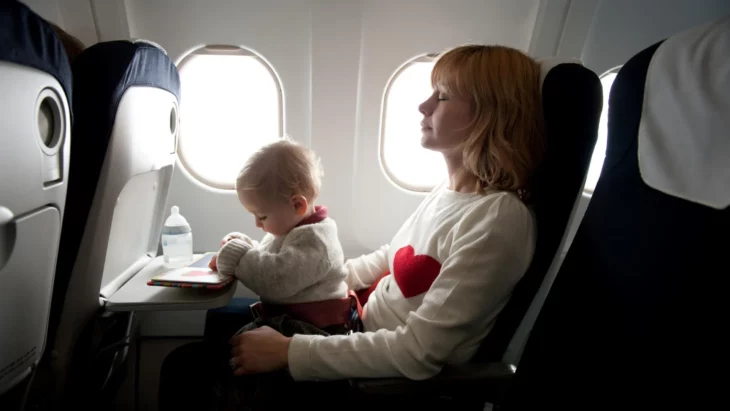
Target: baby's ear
pixel 300 204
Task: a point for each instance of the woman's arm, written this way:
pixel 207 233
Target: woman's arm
pixel 363 271
pixel 492 248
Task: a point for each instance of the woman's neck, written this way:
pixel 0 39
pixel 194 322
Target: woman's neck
pixel 459 180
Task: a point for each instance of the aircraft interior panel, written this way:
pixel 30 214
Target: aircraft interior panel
pixel 280 33
pixel 342 77
pixel 379 201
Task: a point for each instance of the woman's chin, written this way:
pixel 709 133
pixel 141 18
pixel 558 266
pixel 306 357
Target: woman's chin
pixel 428 144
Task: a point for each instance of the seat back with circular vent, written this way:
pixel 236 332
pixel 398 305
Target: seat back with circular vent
pixel 125 139
pixel 35 91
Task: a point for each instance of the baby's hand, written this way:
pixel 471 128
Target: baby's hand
pixel 235 245
pixel 231 236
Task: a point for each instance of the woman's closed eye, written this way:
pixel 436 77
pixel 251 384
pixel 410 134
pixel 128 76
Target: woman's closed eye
pixel 262 218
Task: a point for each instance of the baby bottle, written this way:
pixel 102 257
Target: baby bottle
pixel 177 240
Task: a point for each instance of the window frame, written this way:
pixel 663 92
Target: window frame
pixel 423 58
pixel 229 50
pixel 614 70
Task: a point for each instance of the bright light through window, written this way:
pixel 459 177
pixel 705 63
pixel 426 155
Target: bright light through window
pixel 231 106
pixel 407 163
pixel 599 152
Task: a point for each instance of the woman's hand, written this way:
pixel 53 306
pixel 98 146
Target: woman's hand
pixel 260 350
pixel 213 265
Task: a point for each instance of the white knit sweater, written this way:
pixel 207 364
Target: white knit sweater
pixel 455 262
pixel 305 265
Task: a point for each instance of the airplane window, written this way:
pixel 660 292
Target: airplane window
pixel 404 161
pixel 599 152
pixel 232 104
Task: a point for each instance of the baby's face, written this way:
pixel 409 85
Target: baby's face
pixel 276 217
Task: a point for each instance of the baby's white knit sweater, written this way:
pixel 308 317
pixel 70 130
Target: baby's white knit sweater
pixel 305 265
pixel 455 262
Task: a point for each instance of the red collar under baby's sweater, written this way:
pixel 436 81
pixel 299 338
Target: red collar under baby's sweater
pixel 319 214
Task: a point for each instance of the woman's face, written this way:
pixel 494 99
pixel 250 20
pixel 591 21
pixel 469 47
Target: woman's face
pixel 445 124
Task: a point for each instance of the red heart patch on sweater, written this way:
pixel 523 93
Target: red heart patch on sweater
pixel 414 274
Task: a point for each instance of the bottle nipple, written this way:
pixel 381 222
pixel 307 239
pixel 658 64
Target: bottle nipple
pixel 175 210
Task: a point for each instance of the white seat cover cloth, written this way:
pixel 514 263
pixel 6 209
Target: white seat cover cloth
pixel 684 133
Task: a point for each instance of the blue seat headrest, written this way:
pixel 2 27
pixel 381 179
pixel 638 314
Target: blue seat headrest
pixel 28 40
pixel 104 71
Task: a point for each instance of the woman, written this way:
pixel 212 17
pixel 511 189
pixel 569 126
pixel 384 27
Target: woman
pixel 455 261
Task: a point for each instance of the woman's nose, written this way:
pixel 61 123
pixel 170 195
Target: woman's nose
pixel 259 224
pixel 426 108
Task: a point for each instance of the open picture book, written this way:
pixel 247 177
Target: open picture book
pixel 194 275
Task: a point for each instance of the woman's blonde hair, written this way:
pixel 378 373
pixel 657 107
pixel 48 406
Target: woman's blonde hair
pixel 281 169
pixel 506 140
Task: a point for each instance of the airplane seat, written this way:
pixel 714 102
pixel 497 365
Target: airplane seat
pixel 124 150
pixel 572 100
pixel 634 319
pixel 35 79
pixel 572 103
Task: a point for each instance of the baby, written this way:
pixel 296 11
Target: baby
pixel 298 268
pixel 300 259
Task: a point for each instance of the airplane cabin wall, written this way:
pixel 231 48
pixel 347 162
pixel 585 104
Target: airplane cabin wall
pixel 74 16
pixel 622 28
pixel 334 59
pixel 394 32
pixel 281 32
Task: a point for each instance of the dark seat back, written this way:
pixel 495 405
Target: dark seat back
pixel 636 317
pixel 572 101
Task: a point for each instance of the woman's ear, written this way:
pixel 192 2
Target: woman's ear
pixel 300 204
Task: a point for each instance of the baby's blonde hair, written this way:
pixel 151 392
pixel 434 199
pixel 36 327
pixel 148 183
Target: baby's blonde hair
pixel 280 170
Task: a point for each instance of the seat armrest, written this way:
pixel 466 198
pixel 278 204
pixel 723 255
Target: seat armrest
pixel 472 379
